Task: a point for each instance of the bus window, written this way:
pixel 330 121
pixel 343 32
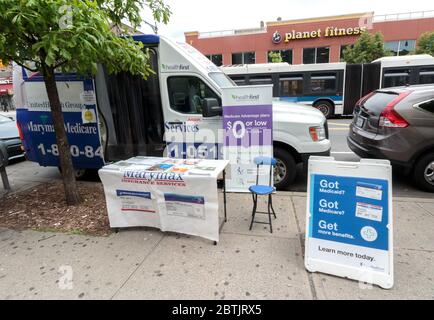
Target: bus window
pixel 239 81
pixel 260 80
pixel 426 75
pixel 291 86
pixel 323 82
pixel 187 92
pixel 396 77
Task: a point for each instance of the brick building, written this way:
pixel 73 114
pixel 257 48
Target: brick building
pixel 314 40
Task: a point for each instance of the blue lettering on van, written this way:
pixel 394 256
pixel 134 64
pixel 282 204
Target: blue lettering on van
pixel 181 127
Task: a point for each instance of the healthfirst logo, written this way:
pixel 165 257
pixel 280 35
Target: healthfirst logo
pixel 175 67
pixel 149 177
pixel 245 97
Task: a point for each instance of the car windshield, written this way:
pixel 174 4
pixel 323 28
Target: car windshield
pixel 4 119
pixel 222 80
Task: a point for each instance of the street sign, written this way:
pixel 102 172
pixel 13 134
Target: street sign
pixel 349 219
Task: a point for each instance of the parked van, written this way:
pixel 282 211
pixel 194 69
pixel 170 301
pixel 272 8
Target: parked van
pixel 116 116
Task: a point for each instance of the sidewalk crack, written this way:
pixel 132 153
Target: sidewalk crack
pixel 135 270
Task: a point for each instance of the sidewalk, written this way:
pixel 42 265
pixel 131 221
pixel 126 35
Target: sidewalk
pixel 145 263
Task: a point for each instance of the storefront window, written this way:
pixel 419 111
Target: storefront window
pixel 243 58
pixel 316 55
pixel 291 86
pixel 308 55
pixel 400 48
pixel 322 54
pixel 285 54
pixel 217 59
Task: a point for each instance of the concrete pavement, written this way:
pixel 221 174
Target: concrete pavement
pixel 145 263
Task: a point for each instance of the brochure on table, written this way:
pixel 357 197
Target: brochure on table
pixel 178 195
pixel 349 221
pixel 248 127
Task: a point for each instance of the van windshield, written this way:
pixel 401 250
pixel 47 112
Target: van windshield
pixel 222 79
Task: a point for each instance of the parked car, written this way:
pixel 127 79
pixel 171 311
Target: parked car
pixel 397 124
pixel 10 136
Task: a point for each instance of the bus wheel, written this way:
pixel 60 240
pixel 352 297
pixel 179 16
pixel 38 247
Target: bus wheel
pixel 285 170
pixel 325 107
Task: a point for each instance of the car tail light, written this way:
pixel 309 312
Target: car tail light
pixel 389 118
pixel 364 98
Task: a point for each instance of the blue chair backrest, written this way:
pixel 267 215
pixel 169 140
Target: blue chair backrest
pixel 264 161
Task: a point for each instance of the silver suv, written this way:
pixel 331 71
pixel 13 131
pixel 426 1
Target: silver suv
pixel 397 124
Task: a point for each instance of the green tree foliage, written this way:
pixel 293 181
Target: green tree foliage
pixel 425 43
pixel 366 49
pixel 275 57
pixel 73 35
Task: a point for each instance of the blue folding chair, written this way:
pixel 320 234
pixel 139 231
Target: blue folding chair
pixel 261 190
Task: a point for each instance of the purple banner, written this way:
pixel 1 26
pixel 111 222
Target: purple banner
pixel 248 125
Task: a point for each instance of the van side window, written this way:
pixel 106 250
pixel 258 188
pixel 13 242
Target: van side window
pixel 186 94
pixel 428 106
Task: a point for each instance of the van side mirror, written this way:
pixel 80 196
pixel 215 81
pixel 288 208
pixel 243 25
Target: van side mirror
pixel 211 108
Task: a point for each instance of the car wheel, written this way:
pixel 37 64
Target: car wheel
pixel 325 107
pixel 424 172
pixel 285 170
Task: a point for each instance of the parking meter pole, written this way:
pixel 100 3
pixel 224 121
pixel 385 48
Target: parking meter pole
pixel 3 162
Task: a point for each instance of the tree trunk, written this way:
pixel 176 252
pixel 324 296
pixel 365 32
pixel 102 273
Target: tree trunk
pixel 69 182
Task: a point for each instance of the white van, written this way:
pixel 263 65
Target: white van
pixel 114 117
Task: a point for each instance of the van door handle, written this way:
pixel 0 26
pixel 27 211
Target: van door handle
pixel 175 122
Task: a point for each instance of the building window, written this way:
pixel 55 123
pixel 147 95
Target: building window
pixel 343 47
pixel 285 54
pixel 400 48
pixel 316 55
pixel 243 58
pixel 217 59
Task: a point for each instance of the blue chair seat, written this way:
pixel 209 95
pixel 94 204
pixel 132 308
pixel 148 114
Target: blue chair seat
pixel 261 190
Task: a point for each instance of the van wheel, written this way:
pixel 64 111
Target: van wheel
pixel 423 173
pixel 285 170
pixel 325 107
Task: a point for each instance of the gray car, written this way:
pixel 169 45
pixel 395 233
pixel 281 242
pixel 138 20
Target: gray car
pixel 397 124
pixel 10 137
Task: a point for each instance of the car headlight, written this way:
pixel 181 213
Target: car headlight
pixel 317 133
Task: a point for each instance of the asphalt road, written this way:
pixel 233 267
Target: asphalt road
pixel 338 130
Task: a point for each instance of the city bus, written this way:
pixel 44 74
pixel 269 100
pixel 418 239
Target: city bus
pixel 334 88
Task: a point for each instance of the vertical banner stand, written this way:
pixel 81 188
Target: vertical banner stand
pixel 247 133
pixel 349 220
